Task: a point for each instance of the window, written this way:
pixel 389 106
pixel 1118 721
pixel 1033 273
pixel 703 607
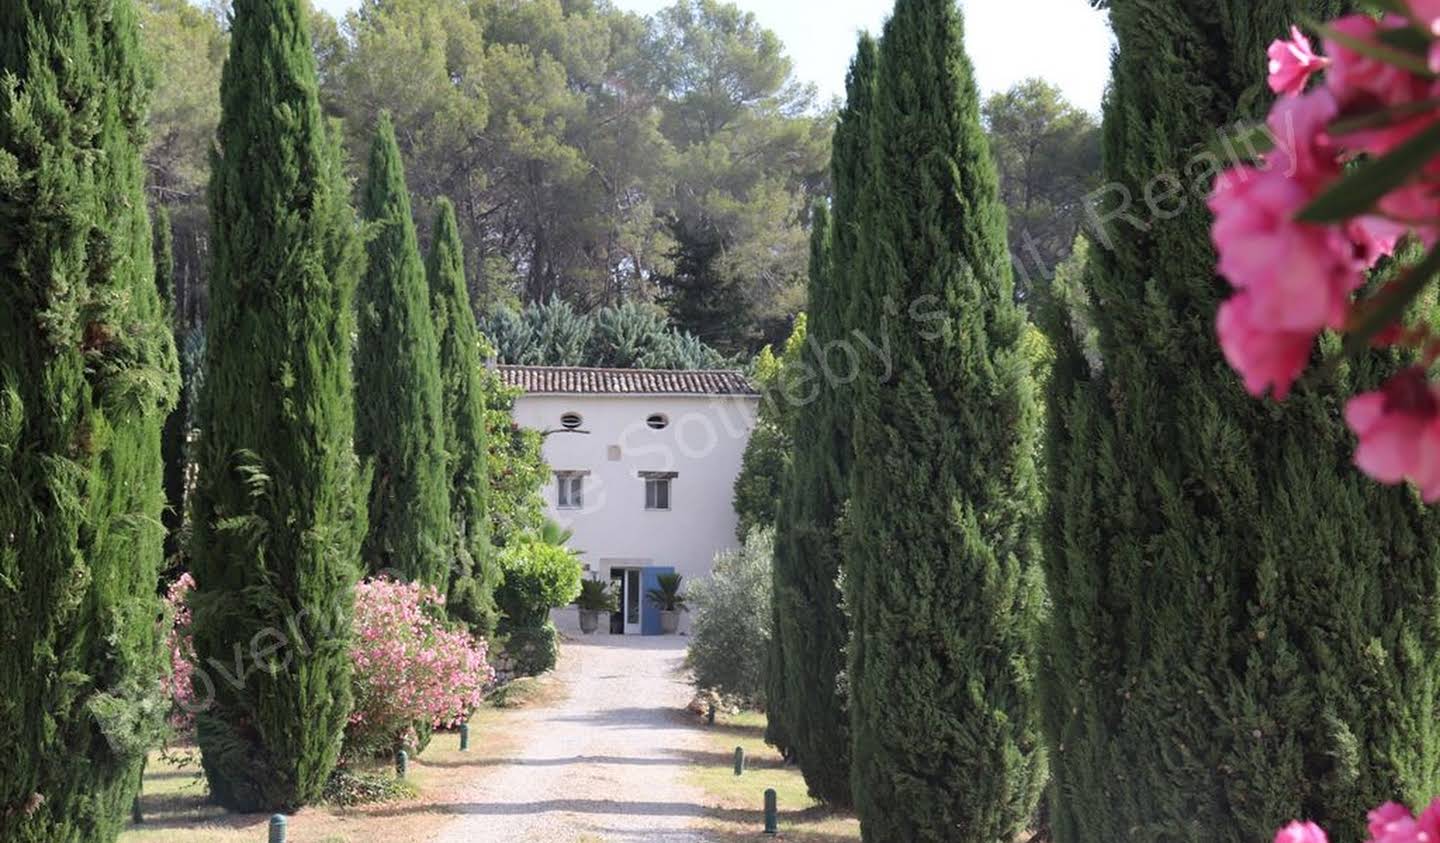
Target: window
pixel 657 490
pixel 659 421
pixel 571 490
pixel 571 421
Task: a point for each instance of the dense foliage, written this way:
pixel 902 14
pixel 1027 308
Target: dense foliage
pixel 731 633
pixel 399 429
pixel 592 154
pixel 539 576
pixel 627 336
pixel 942 563
pixel 1286 669
pixel 279 508
pixel 87 377
pixel 768 452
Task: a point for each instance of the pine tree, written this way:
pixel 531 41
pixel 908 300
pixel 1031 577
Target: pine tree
pixel 1241 631
pixel 278 512
pixel 87 376
pixel 942 566
pixel 475 573
pixel 399 429
pixel 172 438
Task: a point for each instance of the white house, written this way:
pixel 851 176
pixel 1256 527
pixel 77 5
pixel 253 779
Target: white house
pixel 644 465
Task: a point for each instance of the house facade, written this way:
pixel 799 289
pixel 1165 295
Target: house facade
pixel 643 472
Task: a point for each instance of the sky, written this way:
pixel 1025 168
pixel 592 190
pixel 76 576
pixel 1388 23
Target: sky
pixel 1064 41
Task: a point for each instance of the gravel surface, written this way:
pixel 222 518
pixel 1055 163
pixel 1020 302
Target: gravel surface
pixel 604 764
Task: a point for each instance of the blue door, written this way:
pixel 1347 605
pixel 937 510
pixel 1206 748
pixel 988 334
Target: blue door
pixel 650 614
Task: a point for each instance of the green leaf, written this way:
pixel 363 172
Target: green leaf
pixel 1395 6
pixel 1361 187
pixel 1401 58
pixel 1387 307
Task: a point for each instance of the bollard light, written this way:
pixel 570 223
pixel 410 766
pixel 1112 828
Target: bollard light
pixel 772 813
pixel 402 763
pixel 278 824
pixel 136 815
pixel 710 715
pixel 464 737
pixel 739 760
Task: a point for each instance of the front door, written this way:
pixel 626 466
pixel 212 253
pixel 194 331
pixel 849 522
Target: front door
pixel 632 601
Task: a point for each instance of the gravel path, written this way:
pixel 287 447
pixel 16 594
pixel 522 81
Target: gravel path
pixel 603 765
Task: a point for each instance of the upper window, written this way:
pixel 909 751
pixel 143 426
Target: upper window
pixel 571 421
pixel 659 421
pixel 571 493
pixel 657 494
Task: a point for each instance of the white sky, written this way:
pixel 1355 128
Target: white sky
pixel 1064 41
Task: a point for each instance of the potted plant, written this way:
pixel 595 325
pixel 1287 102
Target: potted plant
pixel 595 598
pixel 668 599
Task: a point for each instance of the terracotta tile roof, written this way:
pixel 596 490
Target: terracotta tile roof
pixel 562 380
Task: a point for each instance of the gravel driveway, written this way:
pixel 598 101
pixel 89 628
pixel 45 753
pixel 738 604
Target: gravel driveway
pixel 602 765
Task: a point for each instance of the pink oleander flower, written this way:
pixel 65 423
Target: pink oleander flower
pixel 409 665
pixel 1359 81
pixel 180 646
pixel 1393 823
pixel 1268 361
pixel 1292 63
pixel 1298 832
pixel 1399 431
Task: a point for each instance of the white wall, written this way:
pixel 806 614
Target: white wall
pixel 703 444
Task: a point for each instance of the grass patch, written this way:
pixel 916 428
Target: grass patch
pixel 526 692
pixel 735 804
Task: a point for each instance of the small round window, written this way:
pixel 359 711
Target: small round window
pixel 571 421
pixel 659 421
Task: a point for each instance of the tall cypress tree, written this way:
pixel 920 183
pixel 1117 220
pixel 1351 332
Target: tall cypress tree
pixel 943 570
pixel 810 625
pixel 474 574
pixel 87 375
pixel 172 447
pixel 1243 628
pixel 278 512
pixel 399 431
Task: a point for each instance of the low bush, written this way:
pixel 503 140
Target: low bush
pixel 533 650
pixel 731 634
pixel 411 665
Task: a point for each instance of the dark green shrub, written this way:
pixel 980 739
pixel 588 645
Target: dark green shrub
pixel 538 577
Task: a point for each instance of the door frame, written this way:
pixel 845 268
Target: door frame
pixel 631 577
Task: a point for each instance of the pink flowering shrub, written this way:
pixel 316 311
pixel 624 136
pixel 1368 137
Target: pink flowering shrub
pixel 1354 170
pixel 181 651
pixel 1390 823
pixel 410 666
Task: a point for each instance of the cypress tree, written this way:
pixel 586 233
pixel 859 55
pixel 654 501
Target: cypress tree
pixel 1243 628
pixel 87 375
pixel 474 573
pixel 398 430
pixel 810 625
pixel 172 438
pixel 942 565
pixel 278 512
pixel 812 628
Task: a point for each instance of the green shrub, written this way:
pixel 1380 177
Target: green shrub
pixel 538 577
pixel 533 650
pixel 732 621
